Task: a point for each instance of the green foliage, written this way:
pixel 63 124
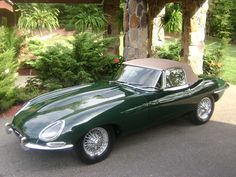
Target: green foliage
pixel 219 19
pixel 38 17
pixel 24 94
pixel 56 65
pixel 35 46
pixel 60 66
pixel 10 44
pixel 170 50
pixel 91 51
pixel 212 59
pixel 233 16
pixel 83 17
pixel 8 66
pixel 10 40
pixel 172 20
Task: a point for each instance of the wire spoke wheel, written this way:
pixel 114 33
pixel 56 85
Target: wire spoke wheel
pixel 95 142
pixel 204 108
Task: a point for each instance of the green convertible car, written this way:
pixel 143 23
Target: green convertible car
pixel 89 117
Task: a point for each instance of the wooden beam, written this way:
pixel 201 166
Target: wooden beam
pixel 57 1
pixel 5 5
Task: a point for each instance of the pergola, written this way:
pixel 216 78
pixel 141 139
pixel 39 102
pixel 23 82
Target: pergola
pixel 139 29
pixel 6 12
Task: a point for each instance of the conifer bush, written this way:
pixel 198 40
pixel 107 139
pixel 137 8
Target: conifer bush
pixel 8 66
pixel 10 44
pixel 86 61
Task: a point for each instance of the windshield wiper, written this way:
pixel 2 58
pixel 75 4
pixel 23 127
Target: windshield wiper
pixel 118 82
pixel 130 83
pixel 157 88
pixel 126 83
pixel 135 84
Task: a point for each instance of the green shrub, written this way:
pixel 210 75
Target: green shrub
pixel 10 44
pixel 60 66
pixel 212 58
pixel 56 65
pixel 8 66
pixel 10 40
pixel 90 51
pixel 35 46
pixel 24 94
pixel 170 50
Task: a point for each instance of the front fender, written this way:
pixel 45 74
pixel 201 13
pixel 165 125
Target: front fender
pixel 80 123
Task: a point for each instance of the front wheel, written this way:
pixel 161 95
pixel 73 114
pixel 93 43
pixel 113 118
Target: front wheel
pixel 204 110
pixel 95 145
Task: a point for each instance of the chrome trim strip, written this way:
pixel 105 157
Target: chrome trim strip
pixel 218 91
pixel 62 122
pixel 40 147
pixel 221 90
pixel 27 146
pixel 177 88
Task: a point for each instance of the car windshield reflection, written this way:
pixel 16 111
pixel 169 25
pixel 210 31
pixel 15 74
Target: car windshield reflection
pixel 138 76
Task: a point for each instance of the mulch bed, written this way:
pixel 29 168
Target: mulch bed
pixel 11 112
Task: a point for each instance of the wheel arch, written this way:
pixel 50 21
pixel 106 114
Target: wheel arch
pixel 115 127
pixel 215 97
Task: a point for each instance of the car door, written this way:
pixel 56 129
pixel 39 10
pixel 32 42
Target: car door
pixel 135 113
pixel 172 100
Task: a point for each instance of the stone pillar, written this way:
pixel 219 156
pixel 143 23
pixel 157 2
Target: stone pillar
pixel 158 33
pixel 111 8
pixel 136 29
pixel 193 36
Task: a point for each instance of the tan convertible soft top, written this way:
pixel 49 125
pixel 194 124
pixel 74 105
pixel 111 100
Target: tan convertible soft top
pixel 164 64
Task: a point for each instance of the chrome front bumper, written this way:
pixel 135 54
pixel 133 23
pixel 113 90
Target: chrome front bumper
pixel 27 145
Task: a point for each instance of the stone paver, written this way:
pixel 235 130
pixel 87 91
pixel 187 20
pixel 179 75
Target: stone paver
pixel 174 149
pixel 225 110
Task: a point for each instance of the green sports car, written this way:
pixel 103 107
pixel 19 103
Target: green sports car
pixel 89 117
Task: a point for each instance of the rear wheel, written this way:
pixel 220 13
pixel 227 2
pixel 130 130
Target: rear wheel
pixel 204 110
pixel 95 145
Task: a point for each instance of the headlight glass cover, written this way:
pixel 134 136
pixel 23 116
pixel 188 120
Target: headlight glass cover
pixel 52 131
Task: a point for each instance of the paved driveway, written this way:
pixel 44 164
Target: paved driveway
pixel 176 149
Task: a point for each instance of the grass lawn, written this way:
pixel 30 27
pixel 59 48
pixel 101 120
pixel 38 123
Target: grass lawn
pixel 229 64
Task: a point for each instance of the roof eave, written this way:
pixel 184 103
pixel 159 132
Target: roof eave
pixel 6 5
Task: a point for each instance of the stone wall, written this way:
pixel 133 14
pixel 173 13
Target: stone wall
pixel 136 29
pixel 158 33
pixel 193 35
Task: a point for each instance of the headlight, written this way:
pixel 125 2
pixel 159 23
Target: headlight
pixel 52 131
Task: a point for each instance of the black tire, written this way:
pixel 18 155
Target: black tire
pixel 84 153
pixel 196 117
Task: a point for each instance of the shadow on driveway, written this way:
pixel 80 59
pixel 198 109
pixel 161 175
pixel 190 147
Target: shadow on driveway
pixel 176 148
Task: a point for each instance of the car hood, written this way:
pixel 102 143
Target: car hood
pixel 63 103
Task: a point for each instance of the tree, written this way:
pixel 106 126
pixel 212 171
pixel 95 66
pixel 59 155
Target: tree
pixel 219 19
pixel 38 17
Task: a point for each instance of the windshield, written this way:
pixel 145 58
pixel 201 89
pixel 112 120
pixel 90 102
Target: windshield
pixel 139 76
